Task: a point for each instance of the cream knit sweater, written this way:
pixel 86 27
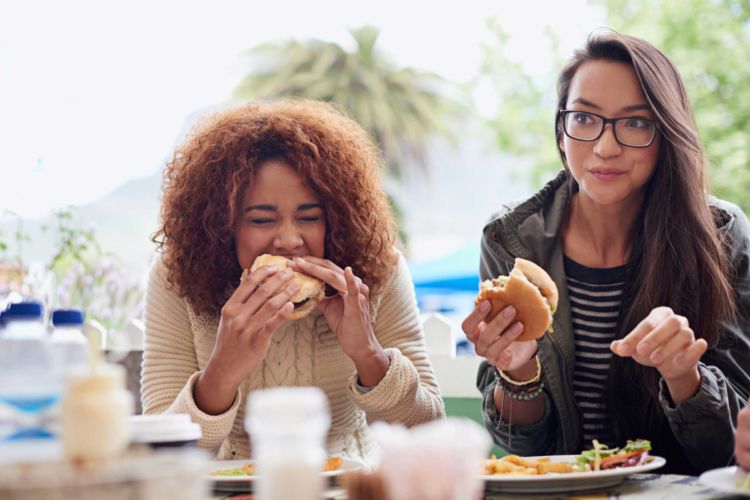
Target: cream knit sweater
pixel 302 353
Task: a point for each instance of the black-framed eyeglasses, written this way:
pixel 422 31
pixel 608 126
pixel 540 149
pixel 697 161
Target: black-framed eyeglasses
pixel 631 131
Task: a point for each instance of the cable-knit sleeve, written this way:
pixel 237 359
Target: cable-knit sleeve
pixel 408 393
pixel 170 368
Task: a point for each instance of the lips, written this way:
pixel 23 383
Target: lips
pixel 606 173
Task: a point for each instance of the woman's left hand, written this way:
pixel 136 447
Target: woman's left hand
pixel 348 315
pixel 665 341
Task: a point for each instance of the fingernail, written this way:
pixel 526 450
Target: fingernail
pixel 624 349
pixel 484 306
pixel 517 329
pixel 656 357
pixel 643 347
pixel 509 312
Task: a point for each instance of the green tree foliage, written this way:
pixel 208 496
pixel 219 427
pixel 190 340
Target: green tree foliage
pixel 709 41
pixel 524 122
pixel 400 107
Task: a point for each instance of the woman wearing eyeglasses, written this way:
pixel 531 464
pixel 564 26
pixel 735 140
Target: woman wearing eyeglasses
pixel 651 331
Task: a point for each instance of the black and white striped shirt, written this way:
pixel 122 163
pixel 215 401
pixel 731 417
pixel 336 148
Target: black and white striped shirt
pixel 595 296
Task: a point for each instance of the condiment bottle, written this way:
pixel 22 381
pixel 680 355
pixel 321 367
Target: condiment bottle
pixel 96 410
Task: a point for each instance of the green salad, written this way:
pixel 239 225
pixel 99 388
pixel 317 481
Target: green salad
pixel 745 485
pixel 602 457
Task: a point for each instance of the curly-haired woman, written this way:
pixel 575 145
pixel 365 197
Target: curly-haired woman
pixel 297 179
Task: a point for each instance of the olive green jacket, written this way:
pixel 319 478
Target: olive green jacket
pixel 703 425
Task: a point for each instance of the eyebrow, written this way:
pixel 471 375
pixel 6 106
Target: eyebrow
pixel 633 107
pixel 272 208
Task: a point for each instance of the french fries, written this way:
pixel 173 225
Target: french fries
pixel 513 464
pixel 248 469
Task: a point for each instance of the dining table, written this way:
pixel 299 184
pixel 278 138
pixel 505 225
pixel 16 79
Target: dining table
pixel 647 486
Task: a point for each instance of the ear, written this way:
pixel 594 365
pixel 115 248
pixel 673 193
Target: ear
pixel 560 135
pixel 561 145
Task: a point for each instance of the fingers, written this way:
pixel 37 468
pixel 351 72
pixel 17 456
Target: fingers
pixel 742 438
pixel 470 325
pixel 498 330
pixel 692 355
pixel 250 283
pixel 672 346
pixel 323 269
pixel 499 340
pixel 669 327
pixel 269 315
pixel 270 288
pixel 281 315
pixel 497 352
pixel 352 287
pixel 628 345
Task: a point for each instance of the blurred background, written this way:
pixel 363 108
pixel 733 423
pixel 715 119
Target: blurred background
pixel 95 96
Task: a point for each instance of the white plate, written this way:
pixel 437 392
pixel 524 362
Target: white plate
pixel 245 483
pixel 726 479
pixel 569 481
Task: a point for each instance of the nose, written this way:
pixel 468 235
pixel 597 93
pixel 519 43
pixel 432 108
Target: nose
pixel 607 146
pixel 288 237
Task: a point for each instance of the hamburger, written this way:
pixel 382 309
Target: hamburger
pixel 530 290
pixel 310 290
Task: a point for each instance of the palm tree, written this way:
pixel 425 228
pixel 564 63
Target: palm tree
pixel 400 107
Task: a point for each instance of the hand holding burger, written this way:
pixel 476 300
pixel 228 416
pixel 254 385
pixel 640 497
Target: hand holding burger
pixel 511 313
pixel 347 313
pixel 310 290
pixel 530 290
pixel 255 310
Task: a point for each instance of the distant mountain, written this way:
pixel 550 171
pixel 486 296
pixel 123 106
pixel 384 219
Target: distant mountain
pixel 123 221
pixel 126 218
pixel 442 213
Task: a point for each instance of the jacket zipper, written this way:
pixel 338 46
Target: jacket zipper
pixel 567 385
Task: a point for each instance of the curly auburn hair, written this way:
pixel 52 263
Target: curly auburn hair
pixel 205 181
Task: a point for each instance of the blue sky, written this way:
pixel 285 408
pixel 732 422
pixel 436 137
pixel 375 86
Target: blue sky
pixel 92 95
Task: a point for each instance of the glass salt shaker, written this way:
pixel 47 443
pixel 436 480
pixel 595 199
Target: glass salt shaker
pixel 288 426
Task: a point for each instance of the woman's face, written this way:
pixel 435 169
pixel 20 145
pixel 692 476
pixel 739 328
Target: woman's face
pixel 280 215
pixel 608 173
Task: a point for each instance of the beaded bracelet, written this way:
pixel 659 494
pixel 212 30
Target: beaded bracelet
pixel 526 395
pixel 531 382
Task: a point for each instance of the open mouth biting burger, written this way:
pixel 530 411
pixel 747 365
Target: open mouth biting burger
pixel 530 290
pixel 310 290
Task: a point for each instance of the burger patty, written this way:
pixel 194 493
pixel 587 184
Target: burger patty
pixel 297 305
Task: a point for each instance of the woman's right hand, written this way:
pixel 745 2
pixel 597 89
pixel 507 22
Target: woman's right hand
pixel 248 320
pixel 742 438
pixel 496 340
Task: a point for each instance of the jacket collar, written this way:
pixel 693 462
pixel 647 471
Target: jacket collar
pixel 532 228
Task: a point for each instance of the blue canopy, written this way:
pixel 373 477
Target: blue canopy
pixel 455 272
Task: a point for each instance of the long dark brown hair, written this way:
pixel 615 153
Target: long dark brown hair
pixel 678 258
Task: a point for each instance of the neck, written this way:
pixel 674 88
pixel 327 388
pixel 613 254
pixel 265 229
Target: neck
pixel 600 236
